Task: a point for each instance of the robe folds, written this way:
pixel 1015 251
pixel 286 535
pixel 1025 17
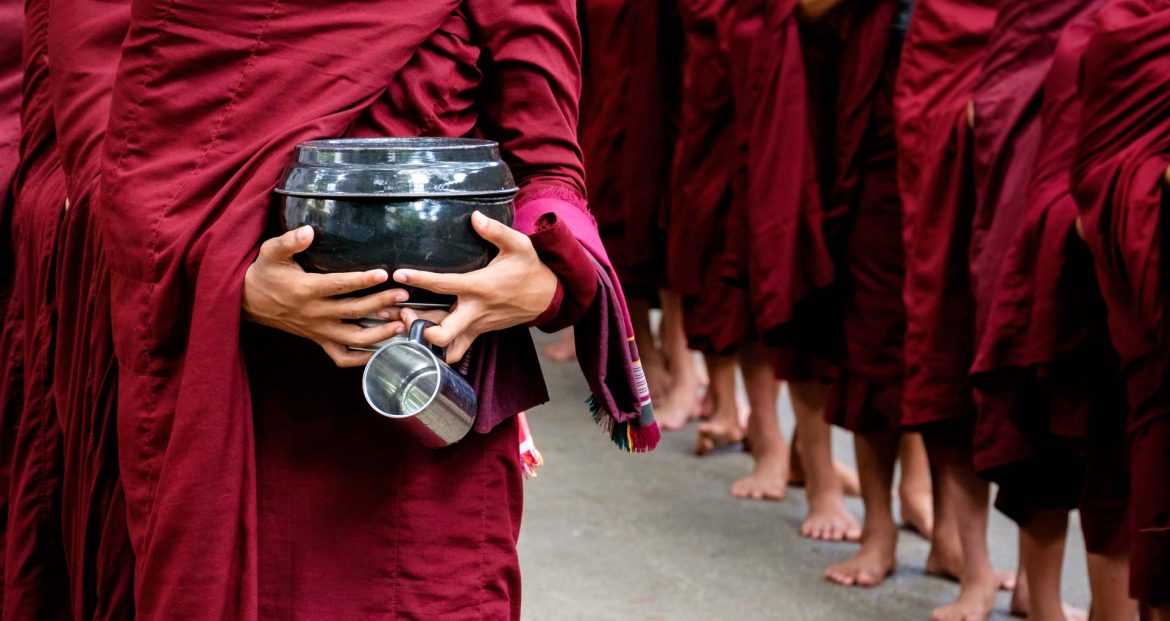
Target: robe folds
pixel 777 252
pixel 84 42
pixel 944 48
pixel 716 314
pixel 34 569
pixel 628 124
pixel 1122 152
pixel 257 483
pixel 11 365
pixel 863 219
pixel 1051 428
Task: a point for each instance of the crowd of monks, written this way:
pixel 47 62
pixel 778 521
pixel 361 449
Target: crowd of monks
pixel 937 223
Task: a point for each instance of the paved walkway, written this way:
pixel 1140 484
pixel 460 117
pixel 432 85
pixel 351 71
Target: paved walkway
pixel 608 535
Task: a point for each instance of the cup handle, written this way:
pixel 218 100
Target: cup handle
pixel 416 334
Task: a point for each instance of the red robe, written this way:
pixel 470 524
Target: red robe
pixel 717 318
pixel 627 130
pixel 258 485
pixel 864 223
pixel 944 48
pixel 1051 422
pixel 84 41
pixel 778 251
pixel 34 569
pixel 11 360
pixel 1122 153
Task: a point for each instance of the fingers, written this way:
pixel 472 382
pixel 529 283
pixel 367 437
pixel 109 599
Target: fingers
pixel 354 335
pixel 332 285
pixel 379 304
pixel 451 327
pixel 284 247
pixel 458 348
pixel 410 315
pixel 344 357
pixel 449 284
pixel 502 236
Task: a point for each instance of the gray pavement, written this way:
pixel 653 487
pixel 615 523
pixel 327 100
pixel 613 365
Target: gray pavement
pixel 608 535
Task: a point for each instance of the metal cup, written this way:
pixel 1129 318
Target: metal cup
pixel 407 380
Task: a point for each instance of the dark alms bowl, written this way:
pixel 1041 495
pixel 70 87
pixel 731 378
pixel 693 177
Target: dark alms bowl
pixel 396 203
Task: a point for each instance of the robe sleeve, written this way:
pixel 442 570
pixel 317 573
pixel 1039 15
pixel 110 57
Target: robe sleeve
pixel 529 104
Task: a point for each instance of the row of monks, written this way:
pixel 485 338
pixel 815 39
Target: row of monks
pixel 940 223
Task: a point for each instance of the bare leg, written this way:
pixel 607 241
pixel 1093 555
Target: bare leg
pixel 768 481
pixel 850 484
pixel 724 428
pixel 1042 540
pixel 967 495
pixel 876 456
pixel 828 519
pixel 565 349
pixel 682 401
pixel 914 487
pixel 1109 585
pixel 653 362
pixel 946 553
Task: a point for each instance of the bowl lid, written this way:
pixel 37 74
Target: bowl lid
pixel 397 167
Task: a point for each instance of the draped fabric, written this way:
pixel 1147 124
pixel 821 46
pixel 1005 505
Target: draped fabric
pixel 1121 156
pixel 1052 413
pixel 84 39
pixel 864 224
pixel 717 318
pixel 944 48
pixel 34 568
pixel 629 110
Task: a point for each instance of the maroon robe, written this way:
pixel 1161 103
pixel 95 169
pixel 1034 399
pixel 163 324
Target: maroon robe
pixel 11 360
pixel 864 223
pixel 944 48
pixel 1051 421
pixel 778 251
pixel 34 569
pixel 627 130
pixel 1122 153
pixel 84 41
pixel 717 318
pixel 258 484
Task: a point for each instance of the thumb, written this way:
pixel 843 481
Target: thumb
pixel 284 247
pixel 502 236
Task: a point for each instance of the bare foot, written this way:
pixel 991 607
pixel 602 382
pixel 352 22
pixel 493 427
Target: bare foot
pixel 829 520
pixel 918 513
pixel 871 566
pixel 678 408
pixel 564 350
pixel 850 485
pixel 714 435
pixel 975 603
pixel 658 379
pixel 949 566
pixel 766 482
pixel 1021 607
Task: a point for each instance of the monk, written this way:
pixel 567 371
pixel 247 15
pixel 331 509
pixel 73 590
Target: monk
pixel 863 227
pixel 34 567
pixel 945 46
pixel 1045 441
pixel 316 508
pixel 1119 177
pixel 84 41
pixel 628 124
pixel 716 316
pixel 776 254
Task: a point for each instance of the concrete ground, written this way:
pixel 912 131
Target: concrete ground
pixel 608 535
